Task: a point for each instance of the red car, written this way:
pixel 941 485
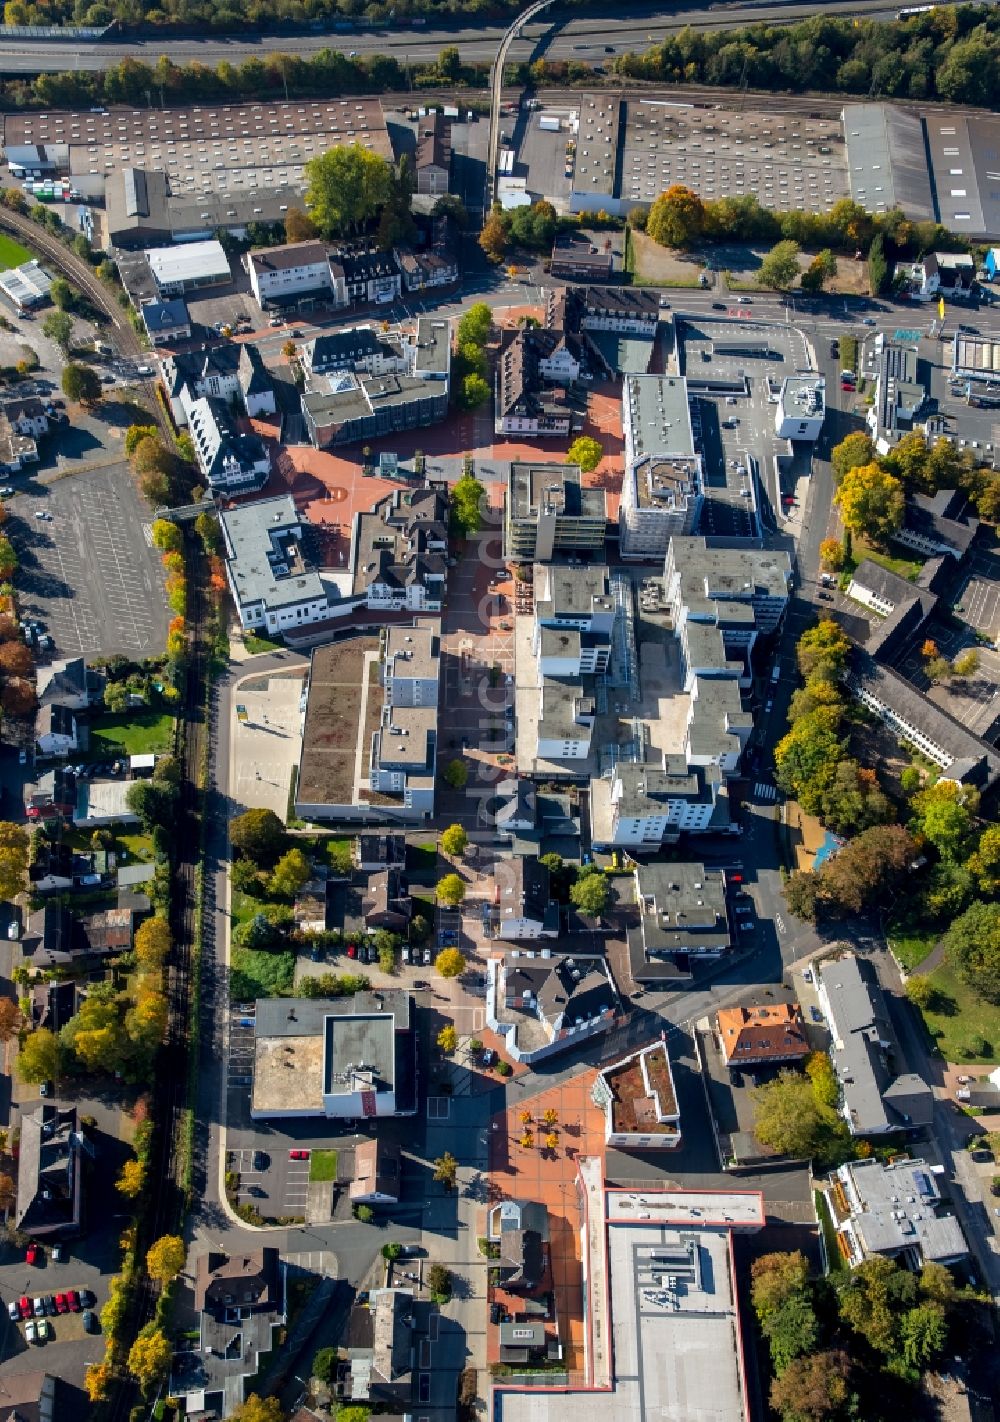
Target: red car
pixel 62 1303
pixel 24 1304
pixel 73 1301
pixel 352 951
pixel 33 1253
pixel 298 1155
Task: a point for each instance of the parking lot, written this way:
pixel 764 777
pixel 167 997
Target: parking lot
pixel 977 601
pixel 89 573
pixel 971 700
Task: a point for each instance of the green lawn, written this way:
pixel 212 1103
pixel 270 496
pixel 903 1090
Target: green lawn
pixel 957 1018
pixel 12 254
pixel 139 846
pixel 323 1165
pixel 912 948
pixel 245 906
pixel 834 1257
pixel 255 644
pixel 905 567
pixel 131 733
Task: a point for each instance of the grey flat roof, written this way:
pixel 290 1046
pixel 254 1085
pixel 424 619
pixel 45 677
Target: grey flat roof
pixel 657 410
pixel 433 345
pixel 896 1206
pixel 886 159
pixel 359 1044
pixel 963 151
pixel 250 532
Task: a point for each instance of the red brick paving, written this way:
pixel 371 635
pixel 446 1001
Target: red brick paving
pixel 534 1173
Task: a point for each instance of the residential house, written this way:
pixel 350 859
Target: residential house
pixel 576 258
pixel 528 1344
pixel 874 1099
pixel 16 450
pixel 381 1352
pixel 27 416
pixel 377 1169
pixel 208 370
pixel 359 407
pixel 523 906
pixel 894 1210
pixel 296 274
pixel 49 1174
pixel 533 369
pixel 166 321
pixel 39 1396
pixel 52 796
pixel 366 275
pixel 66 683
pixel 639 1102
pixel 938 274
pixel 357 348
pixel 772 1035
pixel 51 869
pixel 642 804
pixel 520 1231
pixel 54 1002
pixel 435 265
pixel 233 462
pixel 387 902
pixel 242 1304
pixel 55 730
pixel 543 1003
pixel 432 160
pixel 227 1287
pixel 624 311
pixel 374 853
pixel 399 551
pixel 54 938
pixel 256 385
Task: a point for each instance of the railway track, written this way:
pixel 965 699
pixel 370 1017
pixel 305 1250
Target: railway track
pixel 170 1094
pixel 82 275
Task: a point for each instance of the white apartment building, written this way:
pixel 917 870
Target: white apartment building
pixel 662 487
pixel 281 275
pixel 272 585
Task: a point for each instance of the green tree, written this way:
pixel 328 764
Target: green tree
pixel 984 863
pixel 585 451
pixel 871 502
pixel 467 499
pixel 38 1059
pixel 446 1170
pixel 966 663
pixel 457 774
pixel 450 962
pixel 823 650
pixel 325 1362
pixel 473 392
pixel 780 267
pixel 165 1258
pixel 802 895
pixel 154 802
pixel 207 528
pixel 61 293
pixel 447 1039
pixel 820 270
pixel 8 559
pixel 972 948
pixel 268 1409
pixel 920 991
pixel 81 383
pixel 589 893
pixel 676 218
pixel 167 537
pixel 775 1278
pixel 790 1120
pixel 149 1357
pixel 878 267
pixel 453 840
pixel 475 325
pixel 871 1301
pixel 450 890
pixel 346 187
pixel 806 758
pixel 58 326
pixel 866 869
pixel 939 669
pixel 944 815
pixel 14 851
pixel 493 237
pixel 815 1388
pixel 291 873
pixel 853 451
pixel 257 835
pixel 923 1332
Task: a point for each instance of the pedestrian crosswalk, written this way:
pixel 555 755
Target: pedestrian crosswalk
pixel 766 792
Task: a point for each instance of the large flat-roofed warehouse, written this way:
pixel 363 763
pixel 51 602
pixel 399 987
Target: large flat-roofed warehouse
pixel 629 150
pixel 976 358
pixel 208 165
pixel 887 160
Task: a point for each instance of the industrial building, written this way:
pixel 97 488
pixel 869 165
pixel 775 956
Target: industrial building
pixel 662 485
pixel 174 174
pixel 801 408
pixel 177 270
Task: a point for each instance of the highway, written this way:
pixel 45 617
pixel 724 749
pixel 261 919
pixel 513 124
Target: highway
pixel 596 38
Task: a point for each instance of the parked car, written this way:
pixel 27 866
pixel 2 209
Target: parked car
pixel 59 1255
pixel 14 1311
pixel 33 1253
pixel 428 957
pixel 38 1307
pixel 261 1160
pixel 30 1332
pixel 420 984
pixel 50 1304
pixel 87 1298
pixel 298 1155
pixel 73 1299
pixel 407 957
pixel 43 1330
pixel 90 1323
pixel 62 1303
pixel 815 1014
pixel 24 1304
